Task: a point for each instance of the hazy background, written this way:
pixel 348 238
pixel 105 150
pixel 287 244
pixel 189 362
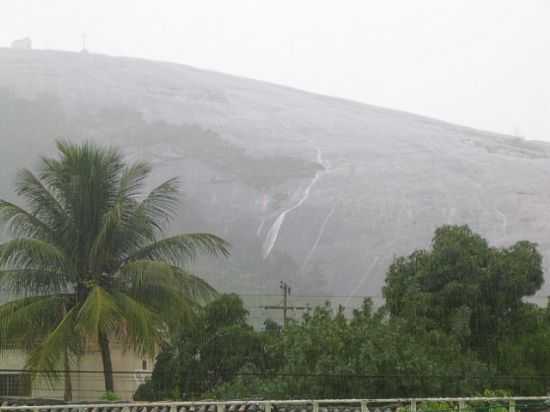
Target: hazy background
pixel 483 64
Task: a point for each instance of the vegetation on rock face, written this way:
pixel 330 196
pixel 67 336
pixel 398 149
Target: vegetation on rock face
pixel 455 323
pixel 88 261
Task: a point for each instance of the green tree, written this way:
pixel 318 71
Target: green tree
pixel 454 323
pixel 88 260
pixel 466 288
pixel 208 354
pixel 371 355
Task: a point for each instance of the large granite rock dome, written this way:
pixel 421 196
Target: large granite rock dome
pixel 319 191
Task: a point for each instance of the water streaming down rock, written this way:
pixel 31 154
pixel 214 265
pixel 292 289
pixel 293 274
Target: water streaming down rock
pixel 318 239
pixel 273 232
pixel 260 228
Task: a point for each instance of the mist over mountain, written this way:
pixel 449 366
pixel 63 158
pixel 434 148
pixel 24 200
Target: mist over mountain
pixel 318 191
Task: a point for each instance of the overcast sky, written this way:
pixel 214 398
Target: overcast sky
pixel 480 63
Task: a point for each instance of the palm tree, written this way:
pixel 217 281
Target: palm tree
pixel 88 262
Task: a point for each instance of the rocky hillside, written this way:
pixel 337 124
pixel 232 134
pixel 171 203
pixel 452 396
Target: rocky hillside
pixel 318 191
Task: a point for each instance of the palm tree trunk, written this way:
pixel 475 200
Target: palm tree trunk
pixel 107 362
pixel 68 395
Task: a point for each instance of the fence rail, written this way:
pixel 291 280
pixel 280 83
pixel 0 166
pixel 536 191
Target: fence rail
pixel 502 404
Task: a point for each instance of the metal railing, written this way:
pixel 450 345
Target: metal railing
pixel 477 404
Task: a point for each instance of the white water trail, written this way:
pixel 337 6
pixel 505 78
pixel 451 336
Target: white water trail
pixel 319 236
pixel 260 228
pixel 504 220
pixel 273 233
pixel 365 277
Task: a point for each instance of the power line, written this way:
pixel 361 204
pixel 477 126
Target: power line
pixel 43 371
pixel 285 307
pixel 269 295
pixel 316 375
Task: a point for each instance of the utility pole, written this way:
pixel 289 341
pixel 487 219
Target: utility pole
pixel 286 292
pixel 285 308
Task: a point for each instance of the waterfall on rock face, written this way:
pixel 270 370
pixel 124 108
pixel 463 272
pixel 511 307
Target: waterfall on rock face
pixel 260 228
pixel 318 239
pixel 273 233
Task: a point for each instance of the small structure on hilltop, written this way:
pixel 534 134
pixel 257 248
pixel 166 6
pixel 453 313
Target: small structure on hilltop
pixel 22 44
pixel 84 49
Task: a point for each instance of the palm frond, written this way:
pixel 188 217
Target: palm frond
pixel 144 274
pixel 42 202
pixel 174 308
pixel 169 291
pixel 22 223
pixel 33 282
pixel 160 205
pixel 24 322
pixel 195 288
pixel 101 250
pixel 117 230
pixel 143 329
pixel 33 254
pixel 45 358
pixel 181 249
pixel 98 313
pixel 132 180
pixel 86 177
pixel 144 221
pixel 118 314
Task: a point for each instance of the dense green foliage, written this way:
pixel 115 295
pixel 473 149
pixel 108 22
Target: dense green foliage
pixel 89 261
pixel 209 353
pixel 467 289
pixel 455 323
